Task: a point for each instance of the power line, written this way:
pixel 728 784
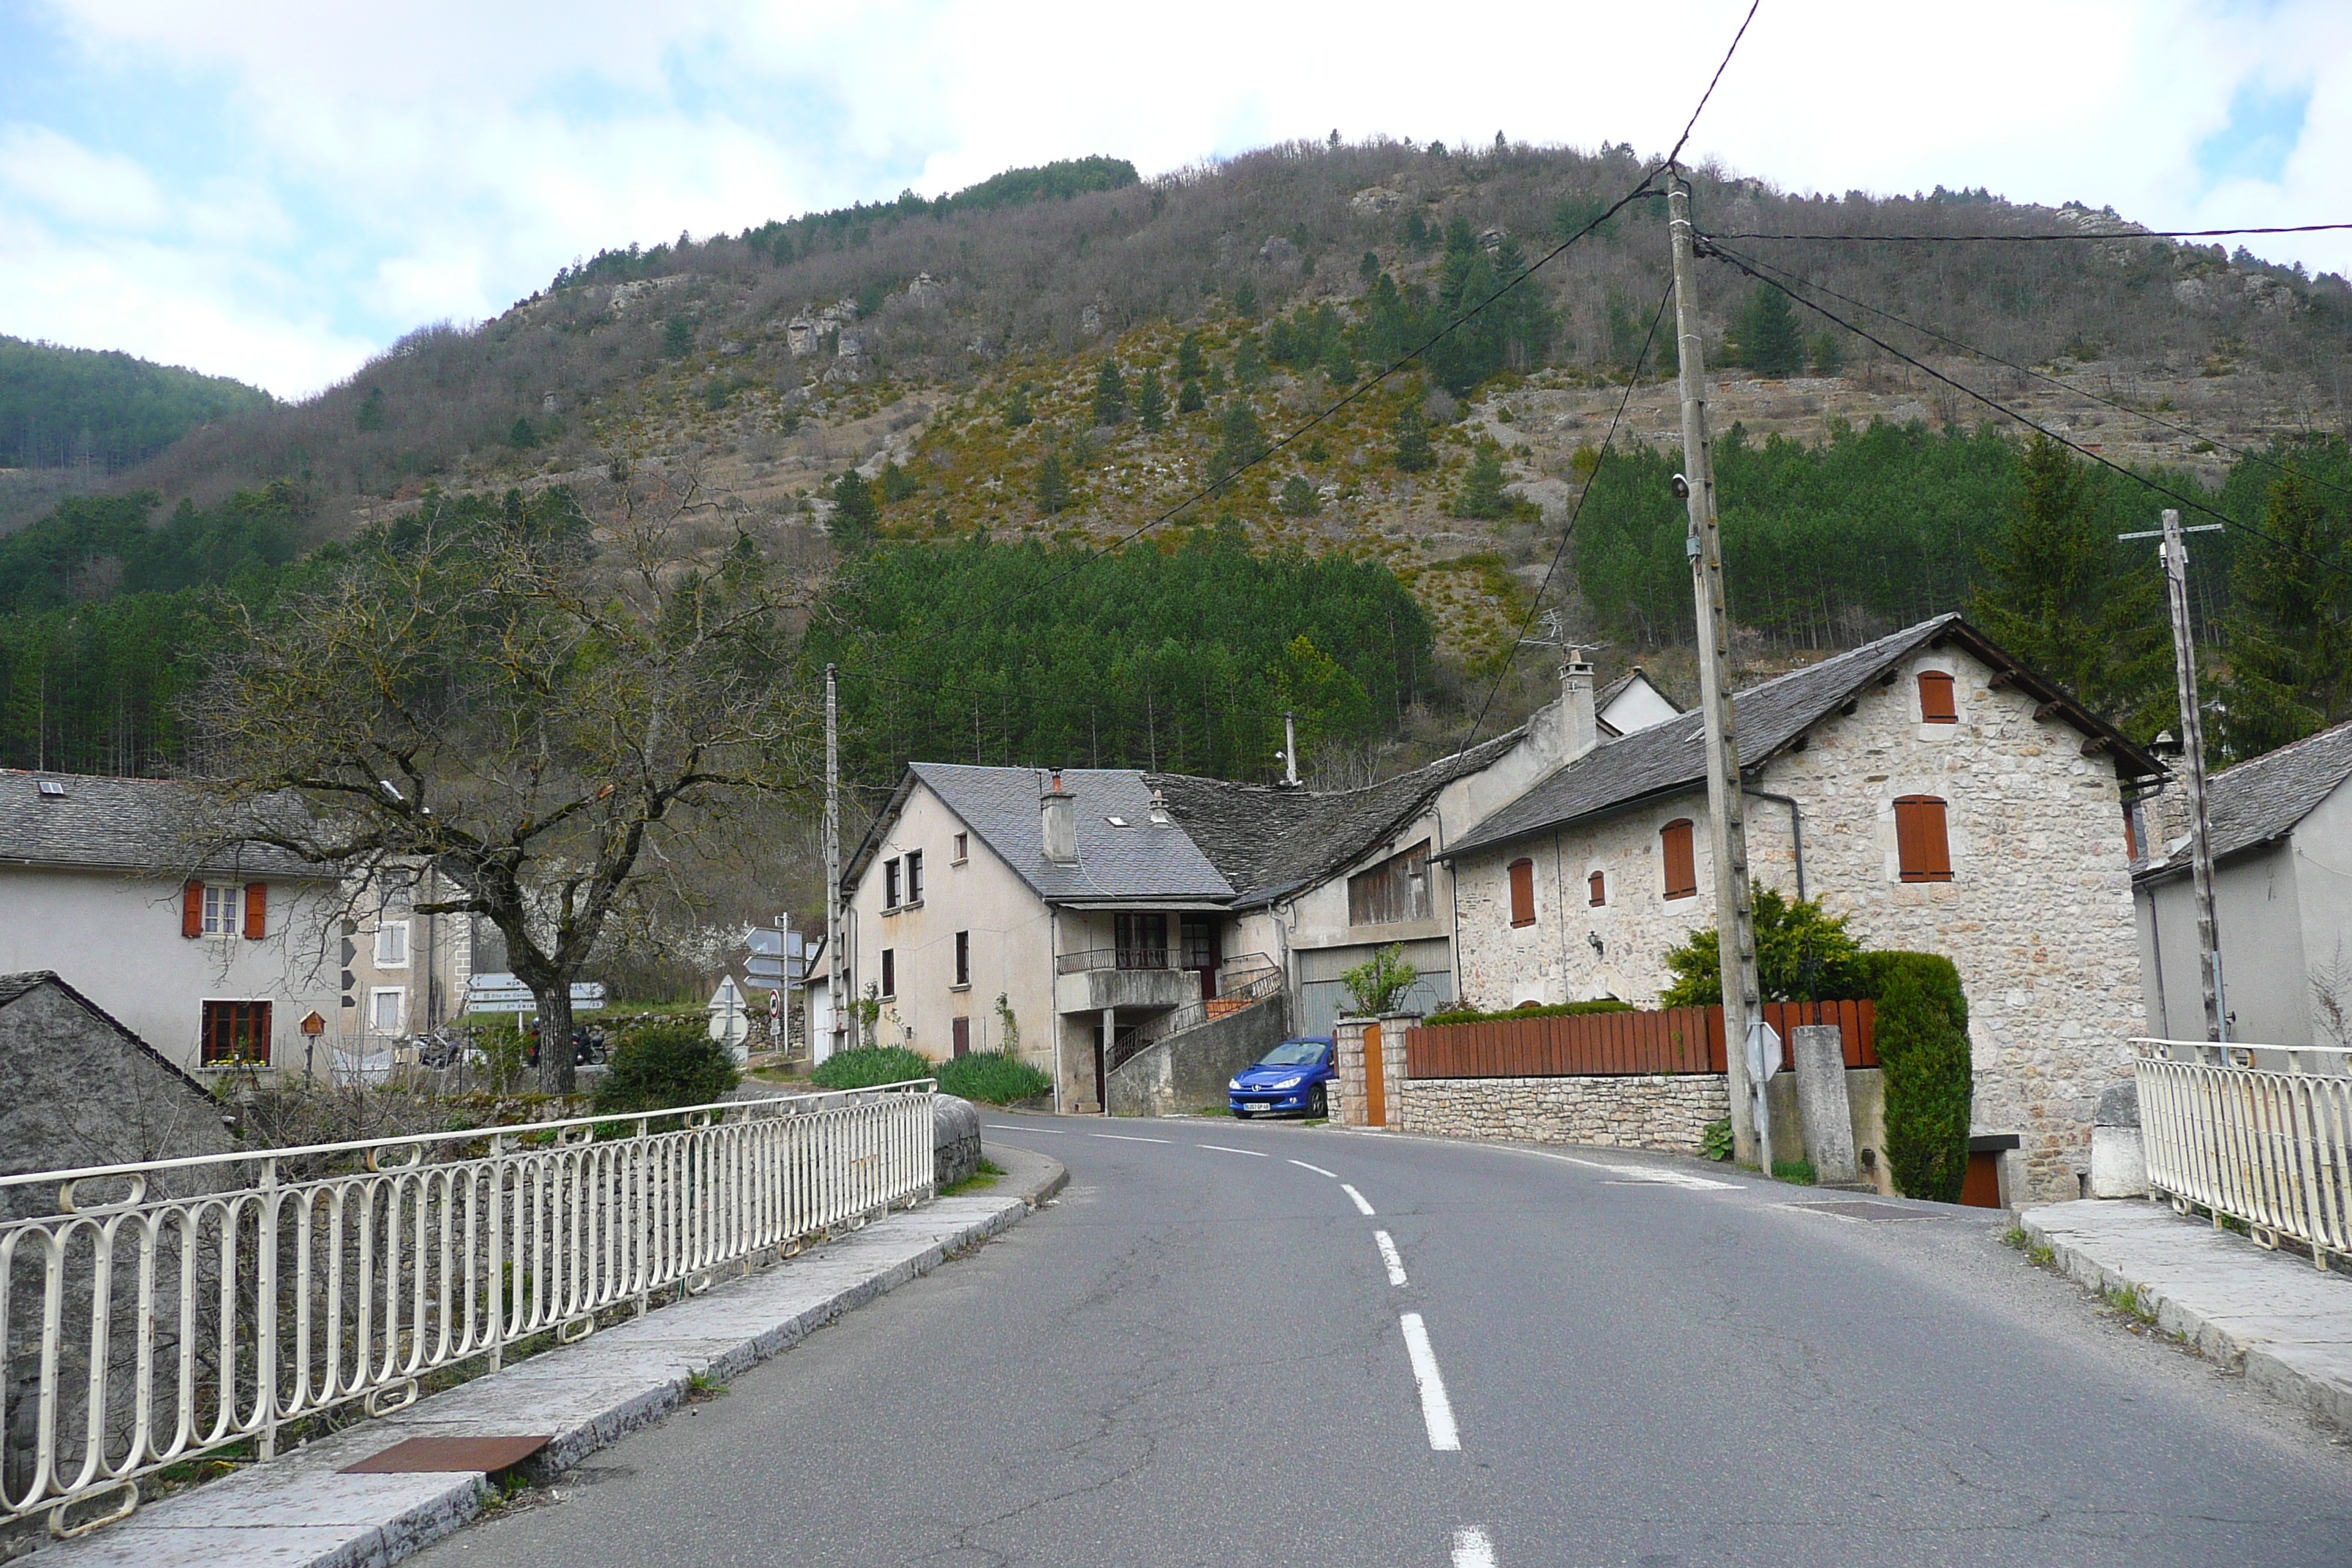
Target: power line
pixel 1742 264
pixel 2042 238
pixel 1568 528
pixel 1674 158
pixel 2038 375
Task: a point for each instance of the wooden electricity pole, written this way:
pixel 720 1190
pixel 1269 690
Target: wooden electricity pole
pixel 836 973
pixel 2172 553
pixel 1735 923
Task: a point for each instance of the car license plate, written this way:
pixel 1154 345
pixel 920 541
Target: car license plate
pixel 1260 1105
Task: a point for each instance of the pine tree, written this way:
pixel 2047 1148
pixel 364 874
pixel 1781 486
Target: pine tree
pixel 1829 355
pixel 677 337
pixel 1150 402
pixel 2290 627
pixel 2060 595
pixel 523 437
pixel 1370 267
pixel 1245 301
pixel 371 414
pixel 1053 485
pixel 1110 392
pixel 1767 339
pixel 1016 407
pixel 1298 498
pixel 1482 490
pixel 1412 451
pixel 1191 363
pixel 854 513
pixel 1189 399
pixel 1241 442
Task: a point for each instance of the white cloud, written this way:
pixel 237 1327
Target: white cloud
pixel 384 166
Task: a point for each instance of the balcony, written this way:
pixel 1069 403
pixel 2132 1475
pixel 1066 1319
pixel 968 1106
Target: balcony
pixel 1124 977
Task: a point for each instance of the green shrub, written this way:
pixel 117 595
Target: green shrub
pixel 867 1065
pixel 672 1061
pixel 1714 1143
pixel 993 1077
pixel 1923 1047
pixel 1562 1010
pixel 1803 955
pixel 1374 985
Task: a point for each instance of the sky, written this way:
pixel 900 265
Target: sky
pixel 277 192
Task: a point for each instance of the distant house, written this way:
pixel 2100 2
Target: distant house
pixel 402 972
pixel 1112 908
pixel 215 964
pixel 2282 839
pixel 1947 800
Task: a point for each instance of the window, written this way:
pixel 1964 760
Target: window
pixel 1936 699
pixel 889 972
pixel 1141 940
pixel 235 1032
pixel 963 849
pixel 392 946
pixel 890 884
pixel 1395 890
pixel 224 908
pixel 386 1005
pixel 1597 885
pixel 1680 865
pixel 1921 847
pixel 914 876
pixel 1523 892
pixel 963 958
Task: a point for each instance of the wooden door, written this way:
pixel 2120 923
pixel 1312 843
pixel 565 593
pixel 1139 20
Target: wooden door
pixel 1376 1079
pixel 961 1030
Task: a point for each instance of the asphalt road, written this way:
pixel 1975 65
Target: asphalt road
pixel 1204 1354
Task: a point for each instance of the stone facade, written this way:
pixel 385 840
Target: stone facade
pixel 1349 1105
pixel 1653 1111
pixel 2037 914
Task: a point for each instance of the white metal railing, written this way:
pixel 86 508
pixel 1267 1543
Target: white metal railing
pixel 152 1312
pixel 2268 1145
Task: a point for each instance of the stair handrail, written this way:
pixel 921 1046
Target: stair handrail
pixel 1262 984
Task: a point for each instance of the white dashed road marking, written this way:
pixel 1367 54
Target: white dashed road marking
pixel 1225 1149
pixel 1389 1257
pixel 1436 1411
pixel 1316 1169
pixel 1362 1206
pixel 1126 1138
pixel 1472 1548
pixel 1648 1173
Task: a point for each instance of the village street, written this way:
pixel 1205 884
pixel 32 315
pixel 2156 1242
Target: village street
pixel 1241 1345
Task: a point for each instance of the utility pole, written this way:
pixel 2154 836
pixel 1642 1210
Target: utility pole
pixel 1735 924
pixel 2172 553
pixel 836 973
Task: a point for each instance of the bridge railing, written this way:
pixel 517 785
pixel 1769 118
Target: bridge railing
pixel 153 1312
pixel 2262 1134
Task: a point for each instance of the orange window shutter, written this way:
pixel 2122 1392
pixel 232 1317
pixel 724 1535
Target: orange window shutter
pixel 192 910
pixel 257 910
pixel 1935 846
pixel 1935 705
pixel 1681 859
pixel 1523 892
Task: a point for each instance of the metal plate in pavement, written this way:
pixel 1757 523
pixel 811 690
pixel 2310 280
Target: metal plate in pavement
pixel 423 1454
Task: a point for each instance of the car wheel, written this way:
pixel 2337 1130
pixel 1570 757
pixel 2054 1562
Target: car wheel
pixel 1243 1115
pixel 1317 1105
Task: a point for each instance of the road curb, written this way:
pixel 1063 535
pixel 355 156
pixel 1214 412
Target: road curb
pixel 300 1511
pixel 2285 1326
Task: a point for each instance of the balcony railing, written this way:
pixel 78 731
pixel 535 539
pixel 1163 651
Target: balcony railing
pixel 2271 1148
pixel 1095 958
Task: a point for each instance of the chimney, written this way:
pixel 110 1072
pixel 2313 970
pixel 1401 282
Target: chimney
pixel 1576 703
pixel 1059 824
pixel 1159 818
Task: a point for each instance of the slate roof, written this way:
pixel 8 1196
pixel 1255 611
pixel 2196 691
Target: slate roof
pixel 14 987
pixel 1670 758
pixel 133 825
pixel 2264 797
pixel 1270 841
pixel 1139 861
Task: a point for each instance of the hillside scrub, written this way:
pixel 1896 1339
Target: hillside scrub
pixel 61 406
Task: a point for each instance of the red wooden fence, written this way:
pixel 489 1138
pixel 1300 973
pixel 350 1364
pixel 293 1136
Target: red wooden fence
pixel 1601 1045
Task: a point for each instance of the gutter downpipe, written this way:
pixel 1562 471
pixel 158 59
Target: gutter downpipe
pixel 1054 996
pixel 1796 830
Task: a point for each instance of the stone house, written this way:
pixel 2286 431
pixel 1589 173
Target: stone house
pixel 402 973
pixel 217 960
pixel 1926 787
pixel 1114 909
pixel 2282 838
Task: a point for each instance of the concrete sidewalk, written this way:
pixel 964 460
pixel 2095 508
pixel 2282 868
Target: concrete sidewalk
pixel 300 1512
pixel 2288 1325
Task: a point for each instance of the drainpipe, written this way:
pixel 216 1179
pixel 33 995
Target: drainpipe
pixel 1796 830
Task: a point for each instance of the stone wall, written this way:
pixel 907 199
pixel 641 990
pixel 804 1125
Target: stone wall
pixel 1653 1111
pixel 1190 1068
pixel 1349 1106
pixel 2037 916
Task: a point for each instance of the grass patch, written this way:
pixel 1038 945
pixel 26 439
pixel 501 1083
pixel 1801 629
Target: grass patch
pixel 867 1065
pixel 702 1386
pixel 1796 1173
pixel 986 1176
pixel 2128 1301
pixel 992 1078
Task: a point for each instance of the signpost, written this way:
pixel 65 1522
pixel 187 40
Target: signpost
pixel 505 994
pixel 730 1025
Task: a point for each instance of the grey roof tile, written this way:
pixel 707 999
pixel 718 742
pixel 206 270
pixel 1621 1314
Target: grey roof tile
pixel 116 823
pixel 1140 860
pixel 2264 797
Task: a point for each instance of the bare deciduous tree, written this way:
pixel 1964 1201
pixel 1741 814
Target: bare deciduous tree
pixel 551 707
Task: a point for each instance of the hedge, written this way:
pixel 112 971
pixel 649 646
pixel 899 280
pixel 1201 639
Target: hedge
pixel 667 1062
pixel 1923 1045
pixel 1559 1010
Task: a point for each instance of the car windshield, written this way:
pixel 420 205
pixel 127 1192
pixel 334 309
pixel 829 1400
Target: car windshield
pixel 1293 1054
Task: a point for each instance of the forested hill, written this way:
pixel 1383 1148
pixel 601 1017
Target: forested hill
pixel 62 406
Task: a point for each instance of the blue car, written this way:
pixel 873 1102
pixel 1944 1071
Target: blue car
pixel 1294 1076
